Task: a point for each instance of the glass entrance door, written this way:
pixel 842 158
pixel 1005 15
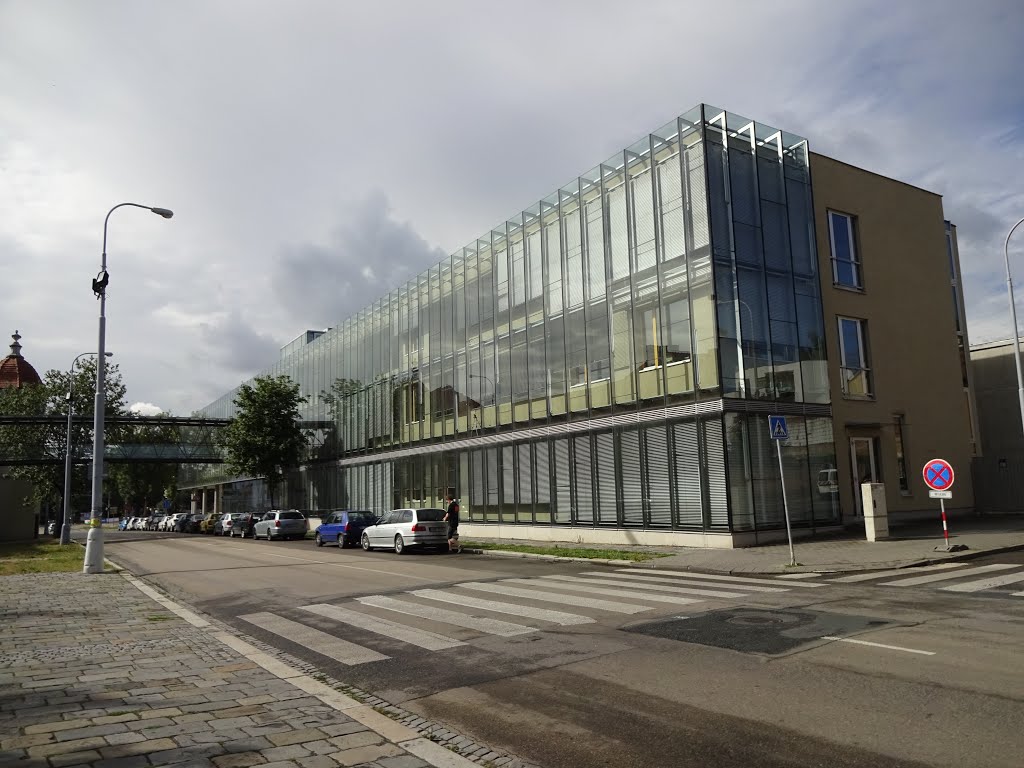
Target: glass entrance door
pixel 862 459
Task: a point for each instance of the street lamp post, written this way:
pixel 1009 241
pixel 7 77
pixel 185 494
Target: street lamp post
pixel 493 394
pixel 1013 315
pixel 94 542
pixel 485 378
pixel 65 531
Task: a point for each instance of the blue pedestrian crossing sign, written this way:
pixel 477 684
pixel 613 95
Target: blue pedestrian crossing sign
pixel 777 428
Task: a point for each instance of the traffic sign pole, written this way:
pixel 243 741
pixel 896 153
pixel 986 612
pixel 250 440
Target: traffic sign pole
pixel 945 528
pixel 778 431
pixel 785 503
pixel 938 476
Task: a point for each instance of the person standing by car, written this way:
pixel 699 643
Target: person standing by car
pixel 451 516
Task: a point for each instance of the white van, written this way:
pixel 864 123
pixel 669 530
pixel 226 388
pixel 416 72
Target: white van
pixel 828 481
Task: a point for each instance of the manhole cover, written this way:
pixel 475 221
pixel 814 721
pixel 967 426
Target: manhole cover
pixel 761 618
pixel 769 632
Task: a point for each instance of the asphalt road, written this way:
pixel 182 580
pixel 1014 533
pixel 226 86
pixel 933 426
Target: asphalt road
pixel 740 676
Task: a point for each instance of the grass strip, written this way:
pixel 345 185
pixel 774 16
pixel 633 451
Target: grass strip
pixel 557 551
pixel 39 557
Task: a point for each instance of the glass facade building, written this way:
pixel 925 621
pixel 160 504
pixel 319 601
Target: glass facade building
pixel 605 358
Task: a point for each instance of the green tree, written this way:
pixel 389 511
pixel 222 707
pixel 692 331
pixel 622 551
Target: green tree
pixel 45 442
pixel 265 438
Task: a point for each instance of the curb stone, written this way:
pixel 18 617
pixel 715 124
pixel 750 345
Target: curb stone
pixel 758 570
pixel 432 731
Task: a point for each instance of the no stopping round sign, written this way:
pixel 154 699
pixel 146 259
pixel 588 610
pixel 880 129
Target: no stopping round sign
pixel 938 475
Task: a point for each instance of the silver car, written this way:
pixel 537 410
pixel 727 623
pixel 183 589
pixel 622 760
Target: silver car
pixel 403 528
pixel 281 524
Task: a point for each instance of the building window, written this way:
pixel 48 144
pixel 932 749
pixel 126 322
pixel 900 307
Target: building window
pixel 845 260
pixel 901 461
pixel 853 357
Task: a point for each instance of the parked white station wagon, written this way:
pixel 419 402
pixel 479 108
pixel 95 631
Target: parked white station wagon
pixel 281 524
pixel 401 528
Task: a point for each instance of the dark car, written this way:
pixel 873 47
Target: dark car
pixel 245 525
pixel 343 527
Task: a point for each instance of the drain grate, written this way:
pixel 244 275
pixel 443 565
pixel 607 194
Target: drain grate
pixel 755 631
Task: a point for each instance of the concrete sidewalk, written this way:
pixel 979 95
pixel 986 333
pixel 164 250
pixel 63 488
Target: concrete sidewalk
pixel 910 544
pixel 103 671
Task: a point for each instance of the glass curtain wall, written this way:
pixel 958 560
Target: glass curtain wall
pixel 677 272
pixel 765 263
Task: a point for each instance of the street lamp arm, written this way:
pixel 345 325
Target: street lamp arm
pixel 165 212
pixel 1013 317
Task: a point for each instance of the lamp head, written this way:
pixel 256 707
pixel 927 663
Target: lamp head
pixel 165 212
pixel 108 354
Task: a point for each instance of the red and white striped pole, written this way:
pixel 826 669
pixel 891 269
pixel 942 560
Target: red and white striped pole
pixel 945 528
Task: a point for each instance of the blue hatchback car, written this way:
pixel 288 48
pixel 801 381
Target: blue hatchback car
pixel 343 527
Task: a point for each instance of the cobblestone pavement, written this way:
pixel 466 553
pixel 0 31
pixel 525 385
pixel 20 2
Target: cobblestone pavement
pixel 95 672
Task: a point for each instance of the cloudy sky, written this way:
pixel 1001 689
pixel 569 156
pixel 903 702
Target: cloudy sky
pixel 318 153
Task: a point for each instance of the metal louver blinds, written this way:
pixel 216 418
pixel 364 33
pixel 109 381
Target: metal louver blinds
pixel 718 492
pixel 584 489
pixel 604 477
pixel 561 479
pixel 541 487
pixel 687 465
pixel 632 485
pixel 508 483
pixel 478 488
pixel 524 476
pixel 491 481
pixel 658 489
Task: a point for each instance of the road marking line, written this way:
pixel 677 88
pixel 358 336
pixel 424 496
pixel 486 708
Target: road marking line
pixel 980 584
pixel 314 562
pixel 392 730
pixel 543 614
pixel 418 637
pixel 555 597
pixel 577 587
pixel 896 572
pixel 877 645
pixel 479 623
pixel 435 754
pixel 313 639
pixel 942 576
pixel 798 576
pixel 645 584
pixel 724 577
pixel 187 615
pixel 642 578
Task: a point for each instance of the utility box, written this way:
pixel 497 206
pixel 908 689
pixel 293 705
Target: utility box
pixel 876 513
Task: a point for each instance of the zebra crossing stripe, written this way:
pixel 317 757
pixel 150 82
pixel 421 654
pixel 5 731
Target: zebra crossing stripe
pixel 646 584
pixel 543 614
pixel 418 637
pixel 642 578
pixel 578 587
pixel 479 623
pixel 896 572
pixel 313 639
pixel 980 584
pixel 725 577
pixel 555 597
pixel 942 576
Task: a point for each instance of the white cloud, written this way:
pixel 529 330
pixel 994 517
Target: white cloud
pixel 145 409
pixel 317 157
